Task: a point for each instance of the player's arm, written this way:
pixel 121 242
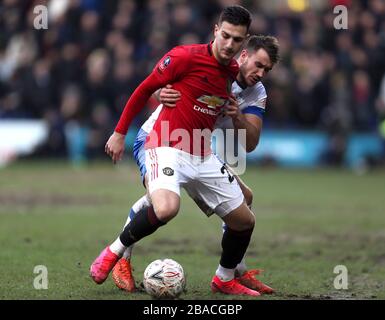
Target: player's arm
pixel 250 121
pixel 167 96
pixel 162 74
pixel 116 143
pixel 253 131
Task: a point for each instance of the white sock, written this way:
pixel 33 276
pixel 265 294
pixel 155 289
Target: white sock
pixel 127 253
pixel 241 267
pixel 141 204
pixel 118 247
pixel 225 274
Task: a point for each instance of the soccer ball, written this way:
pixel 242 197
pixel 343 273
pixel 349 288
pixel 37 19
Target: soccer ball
pixel 164 279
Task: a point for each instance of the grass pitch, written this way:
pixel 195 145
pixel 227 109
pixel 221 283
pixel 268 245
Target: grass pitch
pixel 307 222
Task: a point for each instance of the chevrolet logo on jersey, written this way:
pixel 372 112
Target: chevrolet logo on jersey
pixel 212 101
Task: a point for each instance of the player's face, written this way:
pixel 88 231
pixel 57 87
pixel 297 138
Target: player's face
pixel 253 66
pixel 228 41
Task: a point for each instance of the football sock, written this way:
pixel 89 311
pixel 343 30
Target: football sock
pixel 127 253
pixel 225 274
pixel 117 247
pixel 241 267
pixel 234 246
pixel 140 207
pixel 140 226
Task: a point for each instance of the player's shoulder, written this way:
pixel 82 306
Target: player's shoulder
pixel 259 88
pixel 233 63
pixel 233 67
pixel 256 91
pixel 192 49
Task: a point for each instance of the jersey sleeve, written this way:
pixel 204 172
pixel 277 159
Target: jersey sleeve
pixel 173 65
pixel 254 110
pixel 257 106
pixel 168 70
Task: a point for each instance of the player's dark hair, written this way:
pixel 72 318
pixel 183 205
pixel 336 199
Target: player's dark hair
pixel 236 15
pixel 268 43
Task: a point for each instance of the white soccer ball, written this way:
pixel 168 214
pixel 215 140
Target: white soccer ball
pixel 164 279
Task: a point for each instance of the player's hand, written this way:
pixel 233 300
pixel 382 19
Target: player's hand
pixel 115 146
pixel 232 108
pixel 168 96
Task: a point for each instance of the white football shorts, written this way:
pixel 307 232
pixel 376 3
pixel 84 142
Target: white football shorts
pixel 206 180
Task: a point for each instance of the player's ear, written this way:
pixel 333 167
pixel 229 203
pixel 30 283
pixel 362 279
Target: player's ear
pixel 216 28
pixel 243 56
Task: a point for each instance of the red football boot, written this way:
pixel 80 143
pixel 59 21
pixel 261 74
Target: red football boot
pixel 248 280
pixel 122 275
pixel 231 287
pixel 102 265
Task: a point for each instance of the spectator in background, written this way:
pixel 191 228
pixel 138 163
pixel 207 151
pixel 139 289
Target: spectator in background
pixel 68 67
pixel 326 76
pixel 362 111
pixel 37 89
pixel 91 35
pixel 96 82
pixel 380 107
pixel 75 123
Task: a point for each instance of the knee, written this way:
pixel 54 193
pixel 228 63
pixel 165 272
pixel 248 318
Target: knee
pixel 166 211
pixel 242 222
pixel 249 222
pixel 248 194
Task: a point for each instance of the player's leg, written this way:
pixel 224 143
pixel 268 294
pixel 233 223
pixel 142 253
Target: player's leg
pixel 139 207
pixel 235 241
pixel 217 191
pixel 143 203
pixel 246 190
pixel 164 191
pixel 122 273
pixel 248 195
pixel 166 206
pixel 245 276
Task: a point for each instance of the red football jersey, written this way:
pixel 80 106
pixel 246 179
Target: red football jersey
pixel 205 86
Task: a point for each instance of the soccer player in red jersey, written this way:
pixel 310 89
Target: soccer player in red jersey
pixel 203 74
pixel 256 59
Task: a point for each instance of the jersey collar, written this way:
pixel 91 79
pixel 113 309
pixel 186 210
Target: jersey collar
pixel 209 48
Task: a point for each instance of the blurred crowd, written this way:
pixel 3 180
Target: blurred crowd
pixel 78 74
